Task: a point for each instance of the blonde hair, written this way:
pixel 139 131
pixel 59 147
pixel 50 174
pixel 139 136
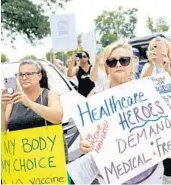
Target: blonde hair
pixel 110 48
pixel 168 44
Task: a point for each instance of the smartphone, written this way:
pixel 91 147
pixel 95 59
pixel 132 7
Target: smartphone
pixel 79 55
pixel 10 85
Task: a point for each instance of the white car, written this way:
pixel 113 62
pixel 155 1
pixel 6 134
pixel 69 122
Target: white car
pixel 60 84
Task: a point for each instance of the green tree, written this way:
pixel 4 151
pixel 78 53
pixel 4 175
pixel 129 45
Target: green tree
pixel 157 25
pixel 59 55
pixel 32 57
pixel 49 56
pixel 4 58
pixel 117 24
pixel 25 17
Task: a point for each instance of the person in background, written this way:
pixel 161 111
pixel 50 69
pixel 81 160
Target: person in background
pixel 159 56
pixel 59 64
pixel 85 85
pixel 117 58
pixel 64 69
pixel 136 58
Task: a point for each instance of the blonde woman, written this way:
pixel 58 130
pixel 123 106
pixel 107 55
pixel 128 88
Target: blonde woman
pixel 118 62
pixel 159 55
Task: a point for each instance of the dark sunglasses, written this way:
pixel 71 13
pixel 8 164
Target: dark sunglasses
pixel 112 62
pixel 83 56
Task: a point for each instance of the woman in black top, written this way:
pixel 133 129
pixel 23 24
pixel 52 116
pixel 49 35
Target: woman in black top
pixel 85 85
pixel 34 105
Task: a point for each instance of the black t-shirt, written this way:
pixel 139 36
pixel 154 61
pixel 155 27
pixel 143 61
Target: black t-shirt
pixel 167 167
pixel 85 85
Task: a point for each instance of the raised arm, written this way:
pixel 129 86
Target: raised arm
pixel 58 65
pixel 94 72
pixel 72 68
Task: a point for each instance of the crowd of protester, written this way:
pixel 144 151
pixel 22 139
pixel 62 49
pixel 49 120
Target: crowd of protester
pixel 35 105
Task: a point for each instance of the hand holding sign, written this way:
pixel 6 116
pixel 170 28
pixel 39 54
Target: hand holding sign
pixel 85 146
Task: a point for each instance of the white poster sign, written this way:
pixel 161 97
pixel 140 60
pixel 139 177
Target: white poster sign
pixel 83 170
pixel 128 128
pixel 63 32
pixel 89 44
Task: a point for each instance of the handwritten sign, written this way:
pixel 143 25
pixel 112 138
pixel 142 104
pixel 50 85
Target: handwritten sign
pixel 34 156
pixel 128 127
pixel 162 83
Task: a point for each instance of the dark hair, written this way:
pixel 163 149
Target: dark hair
pixel 87 56
pixel 44 81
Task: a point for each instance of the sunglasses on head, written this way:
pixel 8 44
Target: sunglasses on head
pixel 112 62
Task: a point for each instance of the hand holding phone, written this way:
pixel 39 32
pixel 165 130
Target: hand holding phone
pixel 10 85
pixel 5 100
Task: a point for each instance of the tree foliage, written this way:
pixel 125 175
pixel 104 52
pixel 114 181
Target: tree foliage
pixel 113 25
pixel 24 17
pixel 27 57
pixel 4 58
pixel 157 25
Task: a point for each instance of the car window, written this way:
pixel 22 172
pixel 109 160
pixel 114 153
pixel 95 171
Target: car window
pixel 143 51
pixel 56 82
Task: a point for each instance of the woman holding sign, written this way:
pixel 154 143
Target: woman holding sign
pixel 159 55
pixel 119 65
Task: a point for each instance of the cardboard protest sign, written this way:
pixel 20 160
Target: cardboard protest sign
pixel 63 32
pixel 34 156
pixel 128 128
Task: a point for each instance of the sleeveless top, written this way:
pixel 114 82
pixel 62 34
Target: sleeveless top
pixel 24 118
pixel 85 85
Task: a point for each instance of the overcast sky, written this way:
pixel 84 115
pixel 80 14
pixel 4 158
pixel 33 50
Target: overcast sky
pixel 85 13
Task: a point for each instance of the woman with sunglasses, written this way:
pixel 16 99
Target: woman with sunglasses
pixel 159 55
pixel 85 85
pixel 119 65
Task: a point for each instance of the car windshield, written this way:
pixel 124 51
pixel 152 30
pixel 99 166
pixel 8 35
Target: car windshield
pixel 143 51
pixel 56 82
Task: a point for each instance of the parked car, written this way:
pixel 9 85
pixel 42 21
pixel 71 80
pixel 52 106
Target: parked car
pixel 141 43
pixel 60 84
